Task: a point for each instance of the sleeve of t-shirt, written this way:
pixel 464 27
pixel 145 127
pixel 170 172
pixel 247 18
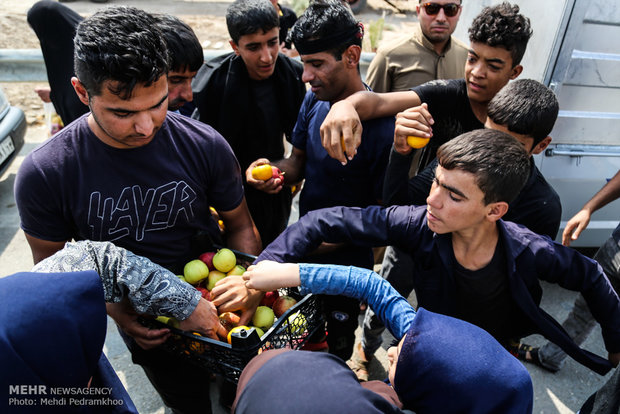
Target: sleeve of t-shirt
pixel 225 188
pixel 383 136
pixel 39 208
pixel 300 132
pixel 437 93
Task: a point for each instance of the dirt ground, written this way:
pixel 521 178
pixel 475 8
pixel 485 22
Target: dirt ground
pixel 206 17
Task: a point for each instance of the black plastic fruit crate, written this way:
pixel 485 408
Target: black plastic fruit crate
pixel 229 360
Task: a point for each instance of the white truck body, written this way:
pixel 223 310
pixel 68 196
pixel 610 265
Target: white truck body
pixel 575 50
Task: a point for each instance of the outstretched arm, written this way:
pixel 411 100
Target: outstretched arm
pixel 133 284
pixel 394 310
pixel 580 221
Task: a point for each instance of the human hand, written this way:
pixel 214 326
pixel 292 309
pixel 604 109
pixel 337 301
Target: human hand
pixel 341 125
pixel 231 294
pixel 204 319
pixel 270 186
pixel 268 275
pixel 614 358
pixel 575 226
pixel 127 318
pixel 415 121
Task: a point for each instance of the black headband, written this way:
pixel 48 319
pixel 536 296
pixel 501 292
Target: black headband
pixel 308 47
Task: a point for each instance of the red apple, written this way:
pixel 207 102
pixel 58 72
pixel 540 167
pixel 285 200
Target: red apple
pixel 204 292
pixel 207 257
pixel 269 298
pixel 229 320
pixel 282 304
pixel 277 173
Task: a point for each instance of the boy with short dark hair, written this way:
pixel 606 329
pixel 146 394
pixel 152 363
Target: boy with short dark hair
pixel 468 263
pixel 265 88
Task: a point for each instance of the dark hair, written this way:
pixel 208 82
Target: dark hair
pixel 183 46
pixel 525 107
pixel 122 44
pixel 502 25
pixel 499 162
pixel 245 17
pixel 324 18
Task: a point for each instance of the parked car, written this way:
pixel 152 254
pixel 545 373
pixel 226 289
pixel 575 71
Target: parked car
pixel 12 132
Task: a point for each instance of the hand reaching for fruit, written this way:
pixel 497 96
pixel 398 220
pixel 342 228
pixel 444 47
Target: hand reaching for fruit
pixel 231 294
pixel 127 318
pixel 204 320
pixel 264 177
pixel 268 275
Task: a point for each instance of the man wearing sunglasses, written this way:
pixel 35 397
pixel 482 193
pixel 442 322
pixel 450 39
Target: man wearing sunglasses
pixel 431 52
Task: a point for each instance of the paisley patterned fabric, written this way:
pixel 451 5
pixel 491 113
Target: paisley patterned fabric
pixel 150 288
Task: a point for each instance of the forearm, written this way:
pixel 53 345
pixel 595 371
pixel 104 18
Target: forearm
pixel 370 105
pixel 606 195
pixel 149 287
pixel 363 227
pixel 396 178
pixel 363 284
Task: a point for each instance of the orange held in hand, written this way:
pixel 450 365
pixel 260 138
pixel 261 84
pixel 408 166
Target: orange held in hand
pixel 262 172
pixel 417 142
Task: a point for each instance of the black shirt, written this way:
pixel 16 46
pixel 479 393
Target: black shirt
pixel 482 297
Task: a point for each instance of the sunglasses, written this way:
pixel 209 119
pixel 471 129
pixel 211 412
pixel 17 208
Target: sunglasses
pixel 450 9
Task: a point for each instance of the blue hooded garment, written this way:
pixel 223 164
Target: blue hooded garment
pixel 52 331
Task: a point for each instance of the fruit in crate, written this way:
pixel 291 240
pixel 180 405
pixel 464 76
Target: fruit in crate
pixel 263 317
pixel 168 320
pixel 214 277
pixel 282 304
pixel 207 258
pixel 237 329
pixel 298 323
pixel 229 320
pixel 259 331
pixel 224 260
pixel 269 298
pixel 204 292
pixel 194 271
pixel 238 270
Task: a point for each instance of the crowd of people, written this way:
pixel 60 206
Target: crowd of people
pixel 117 201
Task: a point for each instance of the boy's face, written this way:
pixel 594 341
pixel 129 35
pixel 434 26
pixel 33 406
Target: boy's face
pixel 259 52
pixel 328 77
pixel 438 27
pixel 487 70
pixel 126 123
pixel 455 203
pixel 180 88
pixel 393 353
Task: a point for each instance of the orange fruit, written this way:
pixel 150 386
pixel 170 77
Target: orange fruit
pixel 417 142
pixel 262 172
pixel 235 329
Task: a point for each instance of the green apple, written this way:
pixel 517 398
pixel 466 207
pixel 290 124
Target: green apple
pixel 195 271
pixel 298 323
pixel 182 278
pixel 263 317
pixel 214 277
pixel 224 260
pixel 168 321
pixel 238 270
pixel 259 331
